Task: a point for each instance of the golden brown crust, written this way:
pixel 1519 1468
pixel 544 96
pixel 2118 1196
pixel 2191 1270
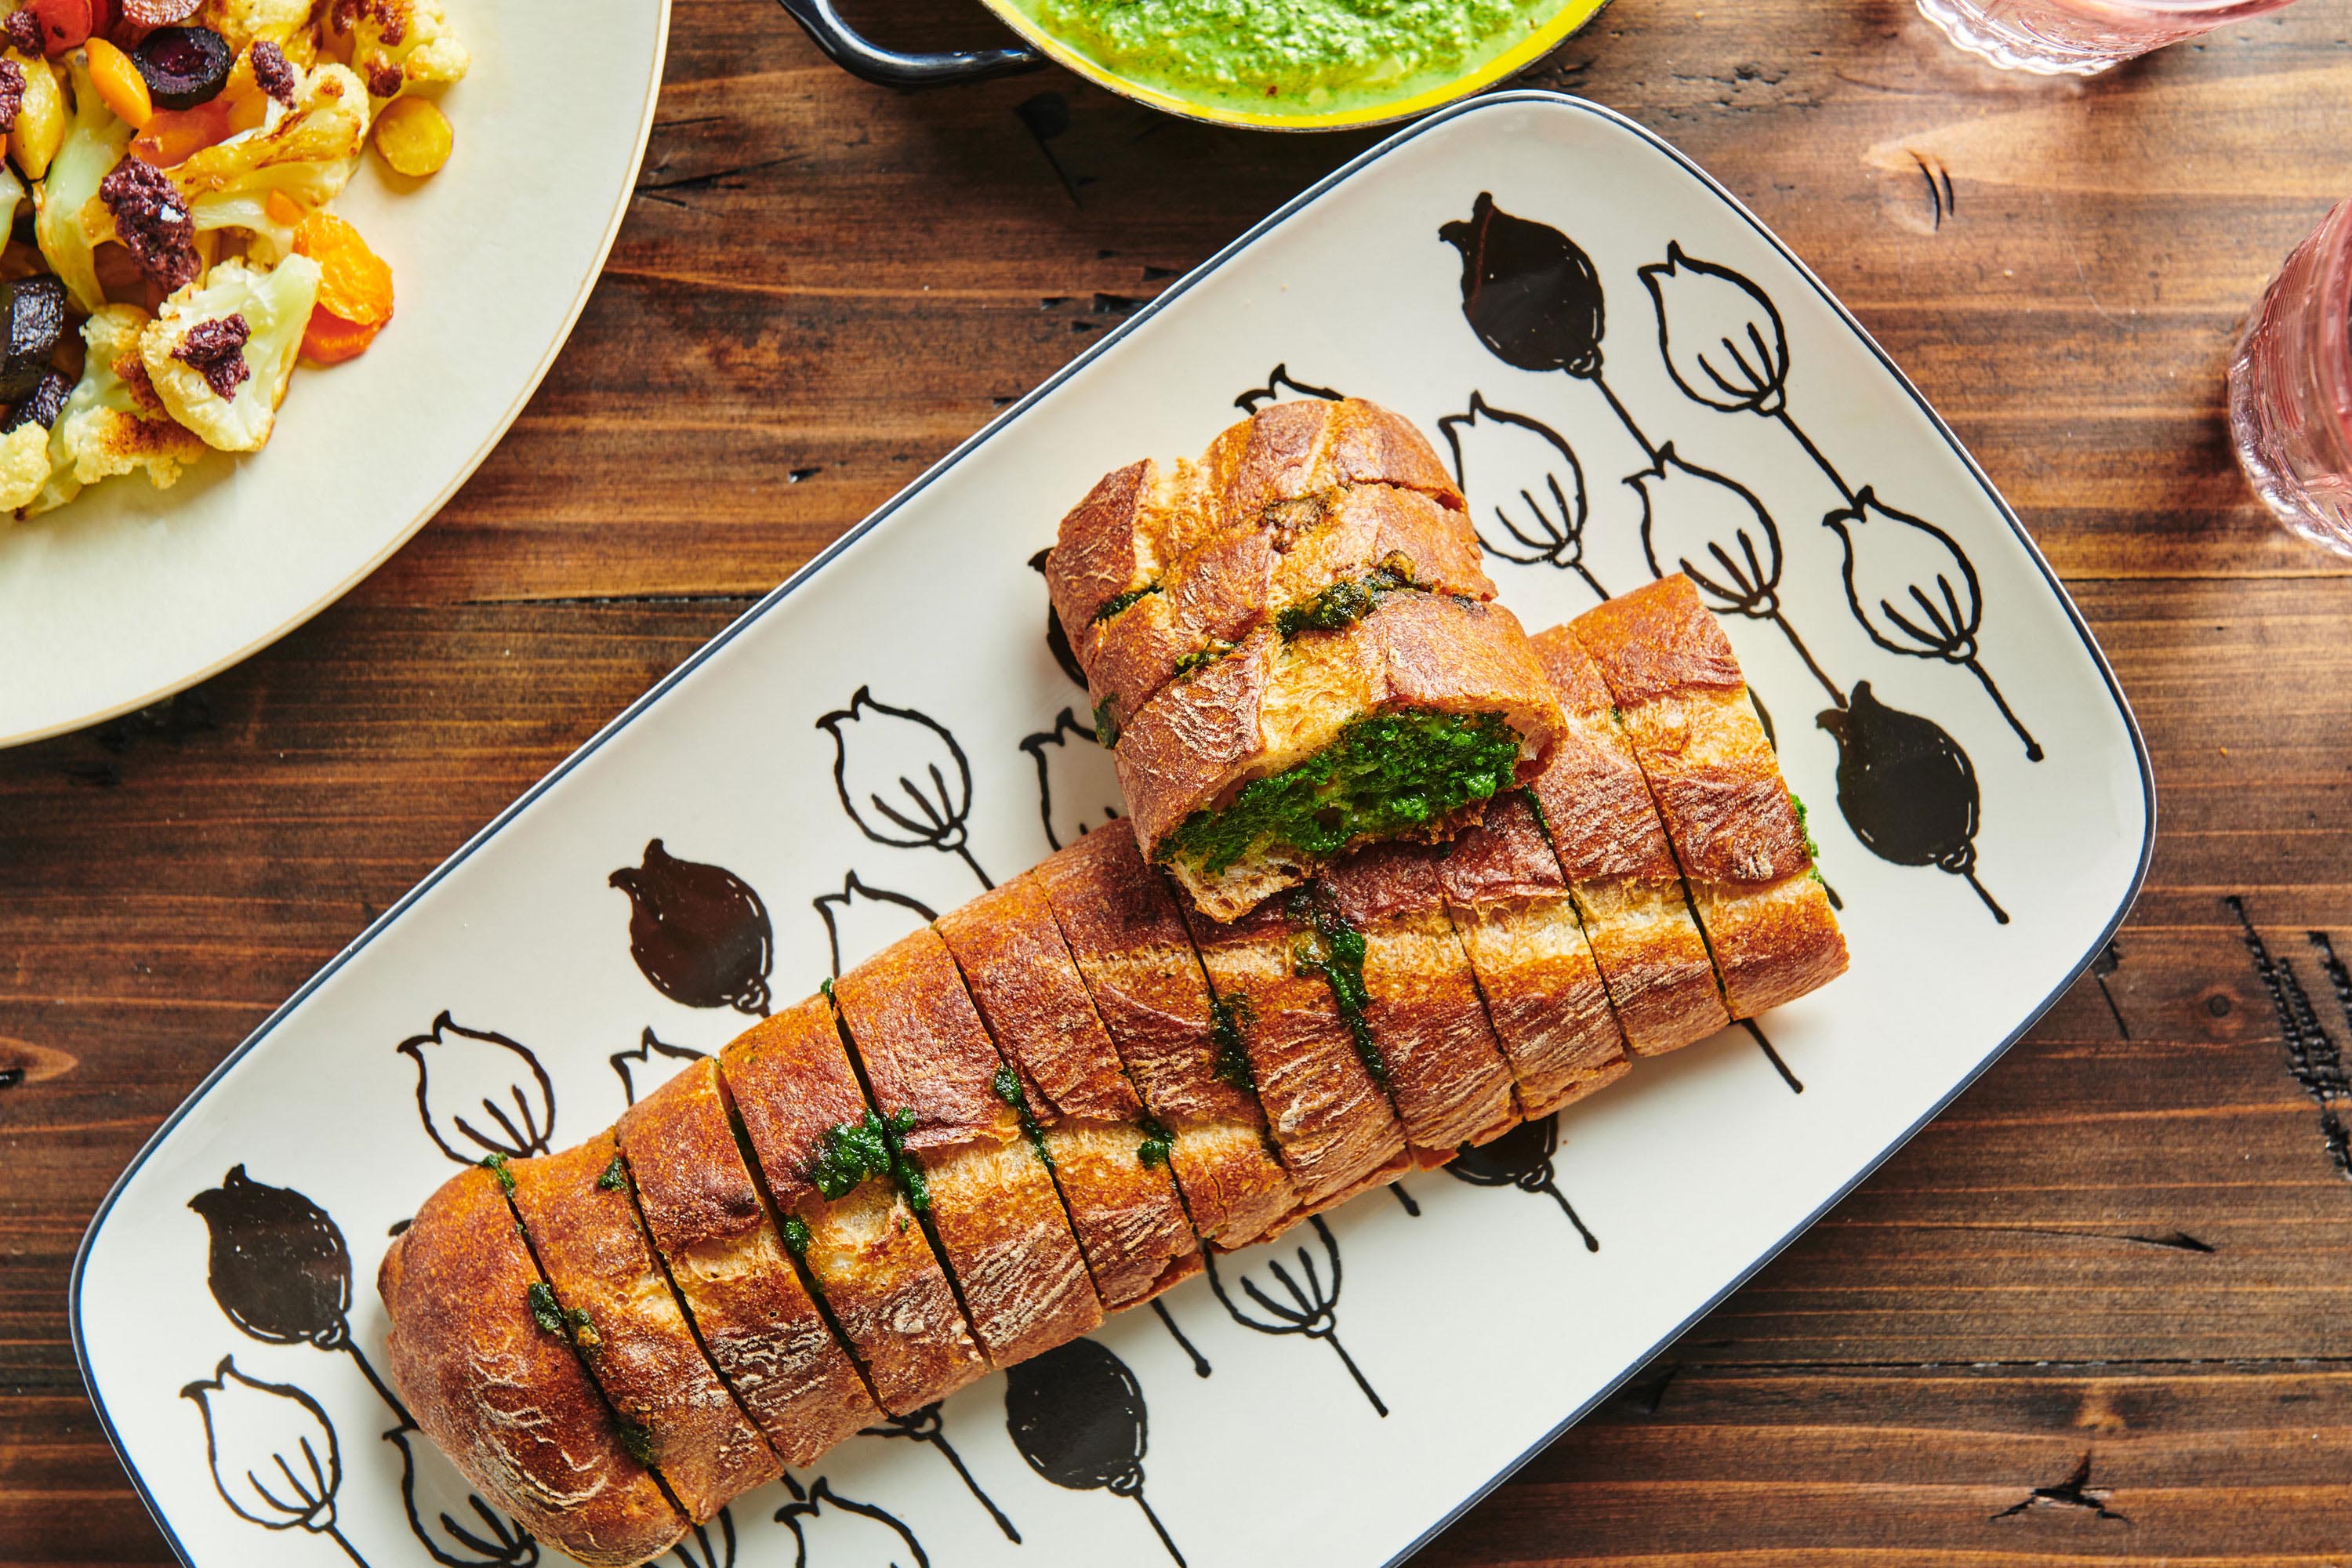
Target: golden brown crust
pixel 1274 703
pixel 1105 547
pixel 507 1401
pixel 1446 1075
pixel 1131 949
pixel 789 1080
pixel 1330 1117
pixel 1124 1212
pixel 582 1225
pixel 1544 994
pixel 994 1205
pixel 1290 449
pixel 757 1321
pixel 1717 785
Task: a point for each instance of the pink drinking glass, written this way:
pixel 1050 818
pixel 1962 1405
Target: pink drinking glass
pixel 2291 389
pixel 2078 37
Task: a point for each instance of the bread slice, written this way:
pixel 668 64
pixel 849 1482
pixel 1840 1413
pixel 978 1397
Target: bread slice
pixel 1111 1168
pixel 757 1321
pixel 582 1224
pixel 1139 519
pixel 930 1069
pixel 1613 848
pixel 1128 939
pixel 1544 993
pixel 1264 767
pixel 1718 789
pixel 1315 558
pixel 506 1399
pixel 1446 1075
pixel 792 1086
pixel 1320 1082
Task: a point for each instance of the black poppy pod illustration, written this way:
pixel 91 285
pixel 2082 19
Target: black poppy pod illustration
pixel 479 1093
pixel 1915 592
pixel 862 918
pixel 483 1538
pixel 1281 385
pixel 1058 641
pixel 710 1545
pixel 1528 503
pixel 1309 1305
pixel 1529 293
pixel 902 778
pixel 637 1068
pixel 1521 1158
pixel 1077 1415
pixel 1906 789
pixel 1722 340
pixel 1078 791
pixel 273 1453
pixel 277 1266
pixel 698 933
pixel 925 1427
pixel 830 1530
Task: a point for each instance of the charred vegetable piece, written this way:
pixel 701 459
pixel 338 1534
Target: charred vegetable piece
pixel 32 312
pixel 41 405
pixel 184 65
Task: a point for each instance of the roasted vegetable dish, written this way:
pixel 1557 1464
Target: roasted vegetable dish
pixel 170 167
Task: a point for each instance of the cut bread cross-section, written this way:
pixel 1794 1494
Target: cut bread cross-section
pixel 1318 1074
pixel 1613 848
pixel 1256 773
pixel 504 1396
pixel 1187 1061
pixel 610 1295
pixel 1110 1162
pixel 932 1070
pixel 724 1253
pixel 1544 993
pixel 1412 984
pixel 829 1173
pixel 1711 769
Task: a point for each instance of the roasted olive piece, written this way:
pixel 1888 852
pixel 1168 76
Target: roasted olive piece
pixel 184 65
pixel 32 315
pixel 40 405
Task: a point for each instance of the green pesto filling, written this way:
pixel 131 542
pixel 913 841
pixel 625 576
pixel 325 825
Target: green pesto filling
pixel 1007 1084
pixel 610 1181
pixel 855 1151
pixel 1120 601
pixel 1333 949
pixel 495 1164
pixel 1534 804
pixel 1342 604
pixel 1230 1018
pixel 1812 850
pixel 796 1235
pixel 1107 722
pixel 1157 1143
pixel 1201 658
pixel 555 1319
pixel 1386 775
pixel 638 1439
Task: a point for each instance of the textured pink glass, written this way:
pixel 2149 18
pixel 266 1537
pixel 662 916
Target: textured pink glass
pixel 2291 388
pixel 2076 38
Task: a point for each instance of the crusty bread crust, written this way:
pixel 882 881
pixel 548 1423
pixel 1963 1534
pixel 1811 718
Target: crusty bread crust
pixel 1448 1076
pixel 1125 1213
pixel 1304 448
pixel 994 1206
pixel 789 1080
pixel 582 1225
pixel 757 1319
pixel 1613 848
pixel 1332 1120
pixel 1719 792
pixel 1129 941
pixel 1109 544
pixel 507 1401
pixel 1544 993
pixel 1273 703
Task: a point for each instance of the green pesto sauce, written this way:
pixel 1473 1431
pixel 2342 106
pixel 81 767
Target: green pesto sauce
pixel 1157 1143
pixel 610 1181
pixel 555 1319
pixel 854 1151
pixel 1333 949
pixel 1385 775
pixel 1107 722
pixel 1812 850
pixel 1119 602
pixel 1007 1084
pixel 1201 658
pixel 495 1164
pixel 1341 604
pixel 1230 1018
pixel 1288 56
pixel 796 1235
pixel 638 1439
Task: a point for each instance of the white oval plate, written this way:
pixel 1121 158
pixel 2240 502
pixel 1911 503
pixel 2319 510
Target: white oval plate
pixel 1306 1414
pixel 131 594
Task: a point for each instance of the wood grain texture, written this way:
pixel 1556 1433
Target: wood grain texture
pixel 2096 1310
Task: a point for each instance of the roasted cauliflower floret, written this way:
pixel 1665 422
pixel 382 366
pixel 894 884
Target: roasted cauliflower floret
pixel 240 21
pixel 399 43
pixel 221 351
pixel 322 133
pixel 112 422
pixel 66 206
pixel 24 465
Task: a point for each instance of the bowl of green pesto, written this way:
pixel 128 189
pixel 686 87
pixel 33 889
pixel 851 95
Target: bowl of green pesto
pixel 1302 65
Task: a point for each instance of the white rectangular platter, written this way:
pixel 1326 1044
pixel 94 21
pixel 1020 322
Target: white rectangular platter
pixel 1632 374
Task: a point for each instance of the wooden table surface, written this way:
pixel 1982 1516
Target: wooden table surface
pixel 2102 1307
